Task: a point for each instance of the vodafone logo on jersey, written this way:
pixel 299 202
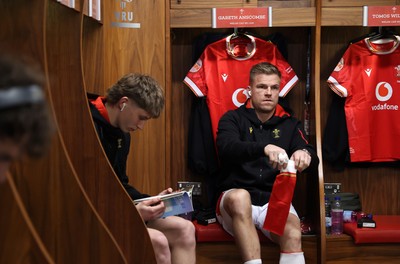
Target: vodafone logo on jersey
pixel 383 92
pixel 239 97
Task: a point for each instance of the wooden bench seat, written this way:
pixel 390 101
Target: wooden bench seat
pixel 214 245
pixel 366 245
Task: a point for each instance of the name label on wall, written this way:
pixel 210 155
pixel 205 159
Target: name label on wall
pixel 123 16
pixel 241 17
pixel 374 16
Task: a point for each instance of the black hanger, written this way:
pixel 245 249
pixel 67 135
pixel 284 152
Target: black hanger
pixel 383 33
pixel 363 37
pixel 379 33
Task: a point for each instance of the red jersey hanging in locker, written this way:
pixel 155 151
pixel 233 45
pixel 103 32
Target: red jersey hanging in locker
pixel 222 72
pixel 368 75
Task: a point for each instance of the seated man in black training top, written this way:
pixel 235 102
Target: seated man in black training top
pixel 250 141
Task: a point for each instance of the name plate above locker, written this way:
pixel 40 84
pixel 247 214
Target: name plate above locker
pixel 241 17
pixel 381 16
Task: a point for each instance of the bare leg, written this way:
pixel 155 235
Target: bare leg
pixel 160 246
pixel 181 238
pixel 290 241
pixel 237 204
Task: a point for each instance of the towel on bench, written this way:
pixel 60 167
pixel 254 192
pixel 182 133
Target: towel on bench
pixel 387 230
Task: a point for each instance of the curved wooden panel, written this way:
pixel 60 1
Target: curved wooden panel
pixel 65 220
pixel 19 241
pixel 64 217
pixel 68 96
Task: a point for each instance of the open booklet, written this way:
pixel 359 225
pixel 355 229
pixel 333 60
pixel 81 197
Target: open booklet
pixel 176 203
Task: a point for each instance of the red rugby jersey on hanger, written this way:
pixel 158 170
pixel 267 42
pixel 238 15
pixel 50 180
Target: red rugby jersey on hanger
pixel 222 73
pixel 368 75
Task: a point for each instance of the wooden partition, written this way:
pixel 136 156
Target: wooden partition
pixel 68 95
pixel 19 240
pixel 63 223
pixel 74 201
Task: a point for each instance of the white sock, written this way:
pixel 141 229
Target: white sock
pixel 292 258
pixel 253 261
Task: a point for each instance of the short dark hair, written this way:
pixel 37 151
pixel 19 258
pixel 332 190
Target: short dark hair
pixel 24 113
pixel 143 89
pixel 263 68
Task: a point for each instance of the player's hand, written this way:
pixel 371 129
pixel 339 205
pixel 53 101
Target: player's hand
pixel 151 209
pixel 166 191
pixel 277 156
pixel 302 159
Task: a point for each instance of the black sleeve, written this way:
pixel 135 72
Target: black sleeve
pixel 119 165
pixel 299 142
pixel 133 193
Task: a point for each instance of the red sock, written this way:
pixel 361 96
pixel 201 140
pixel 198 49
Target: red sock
pixel 280 200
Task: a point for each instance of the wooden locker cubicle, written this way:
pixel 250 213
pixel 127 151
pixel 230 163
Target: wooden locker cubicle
pixel 377 185
pixel 333 24
pixel 46 192
pixel 20 241
pixel 294 21
pixel 73 218
pixel 77 130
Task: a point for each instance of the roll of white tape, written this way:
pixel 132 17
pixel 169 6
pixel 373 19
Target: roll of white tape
pixel 283 158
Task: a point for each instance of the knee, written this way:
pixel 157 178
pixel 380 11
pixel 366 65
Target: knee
pixel 188 234
pixel 238 202
pixel 291 239
pixel 159 242
pixel 293 235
